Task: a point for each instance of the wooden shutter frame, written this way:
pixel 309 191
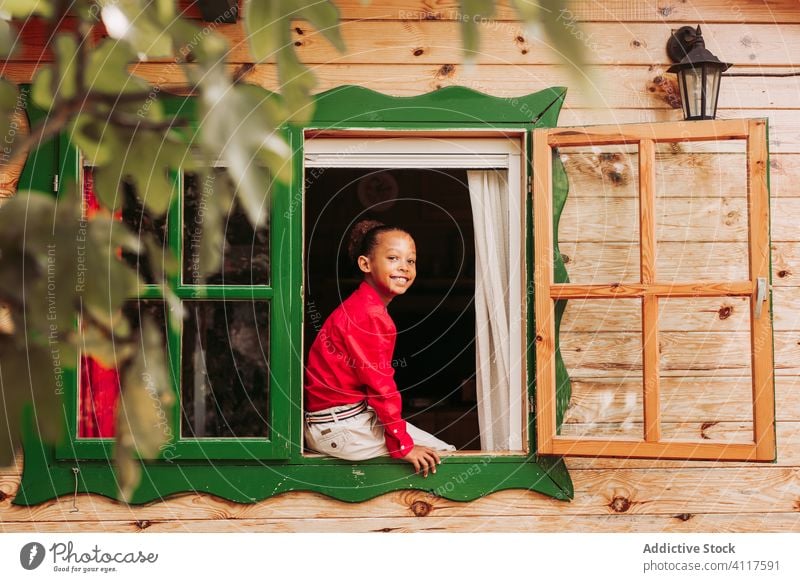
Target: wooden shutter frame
pixel 649 290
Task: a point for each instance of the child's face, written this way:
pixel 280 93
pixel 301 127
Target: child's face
pixel 392 266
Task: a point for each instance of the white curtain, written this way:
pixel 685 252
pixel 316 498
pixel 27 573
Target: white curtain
pixel 499 412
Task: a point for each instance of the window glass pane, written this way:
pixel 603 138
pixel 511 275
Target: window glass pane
pixel 245 251
pixel 598 234
pixel 705 369
pixel 99 384
pixel 139 220
pixel 601 343
pixel 225 369
pixel 701 211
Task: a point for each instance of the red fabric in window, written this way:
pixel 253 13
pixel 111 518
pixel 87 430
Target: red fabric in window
pixel 99 397
pixel 99 386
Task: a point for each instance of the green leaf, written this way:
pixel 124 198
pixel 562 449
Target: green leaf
pixel 25 8
pixel 237 140
pixel 325 18
pixel 9 94
pixel 564 33
pixel 107 69
pixel 98 344
pixel 66 51
pixel 143 418
pixel 107 180
pixel 42 93
pixel 297 82
pixel 136 22
pixel 29 375
pixel 146 167
pixel 266 26
pixel 473 12
pixel 8 39
pixel 96 139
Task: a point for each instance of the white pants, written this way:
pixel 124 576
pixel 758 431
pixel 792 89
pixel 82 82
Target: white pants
pixel 360 437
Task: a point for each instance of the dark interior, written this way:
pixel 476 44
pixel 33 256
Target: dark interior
pixel 435 352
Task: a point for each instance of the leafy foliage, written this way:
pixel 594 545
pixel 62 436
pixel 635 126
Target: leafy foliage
pixel 61 270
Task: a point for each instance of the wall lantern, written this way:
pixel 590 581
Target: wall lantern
pixel 699 73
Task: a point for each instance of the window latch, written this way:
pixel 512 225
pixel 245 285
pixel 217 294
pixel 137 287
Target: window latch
pixel 761 295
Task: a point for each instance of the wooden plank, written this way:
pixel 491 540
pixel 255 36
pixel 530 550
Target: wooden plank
pixel 683 398
pixel 543 279
pixel 698 353
pixel 683 131
pixel 786 309
pixel 616 354
pixel 636 89
pixel 439 42
pixel 647 266
pixel 722 314
pixel 761 323
pixel 602 218
pixel 726 489
pixel 426 41
pixel 615 11
pixel 618 263
pixel 785 265
pixel 612 262
pixel 660 450
pixel 784 126
pixel 630 290
pixel 680 523
pixel 787 447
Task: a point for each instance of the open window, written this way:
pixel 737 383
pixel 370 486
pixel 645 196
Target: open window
pixel 460 358
pixel 649 270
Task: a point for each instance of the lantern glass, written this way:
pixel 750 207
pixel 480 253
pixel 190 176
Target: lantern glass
pixel 699 87
pixel 713 75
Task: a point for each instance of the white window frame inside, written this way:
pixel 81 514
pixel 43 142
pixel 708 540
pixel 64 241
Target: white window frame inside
pixel 451 150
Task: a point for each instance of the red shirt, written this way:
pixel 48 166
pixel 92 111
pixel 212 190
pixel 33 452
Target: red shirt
pixel 351 360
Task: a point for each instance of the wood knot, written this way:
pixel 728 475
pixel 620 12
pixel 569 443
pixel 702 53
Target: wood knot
pixel 298 43
pixel 421 508
pixel 784 273
pixel 446 70
pixel 704 427
pixel 143 523
pixel 666 90
pixel 620 504
pixel 298 30
pixel 636 43
pixel 418 52
pixel 725 311
pixel 3 496
pixel 539 338
pixel 684 516
pixel 520 39
pixel 565 258
pixel 524 51
pixel 243 70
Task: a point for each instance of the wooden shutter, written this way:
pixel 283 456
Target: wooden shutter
pixel 651 290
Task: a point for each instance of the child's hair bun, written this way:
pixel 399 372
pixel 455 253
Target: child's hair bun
pixel 355 239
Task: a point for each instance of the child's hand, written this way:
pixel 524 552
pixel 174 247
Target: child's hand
pixel 423 459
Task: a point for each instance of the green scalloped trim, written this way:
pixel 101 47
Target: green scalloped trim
pixel 458 478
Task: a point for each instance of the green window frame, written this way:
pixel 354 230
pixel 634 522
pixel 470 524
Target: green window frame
pixel 247 470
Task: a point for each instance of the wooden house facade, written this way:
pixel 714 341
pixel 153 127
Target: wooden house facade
pixel 406 48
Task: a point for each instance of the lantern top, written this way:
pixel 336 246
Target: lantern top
pixel 697 54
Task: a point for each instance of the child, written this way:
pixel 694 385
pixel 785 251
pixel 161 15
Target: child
pixel 353 408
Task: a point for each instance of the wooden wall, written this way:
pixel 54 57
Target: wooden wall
pixel 407 47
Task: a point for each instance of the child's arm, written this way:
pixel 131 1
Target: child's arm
pixel 370 346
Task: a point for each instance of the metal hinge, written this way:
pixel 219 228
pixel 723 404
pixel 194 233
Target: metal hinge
pixel 55 183
pixel 530 185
